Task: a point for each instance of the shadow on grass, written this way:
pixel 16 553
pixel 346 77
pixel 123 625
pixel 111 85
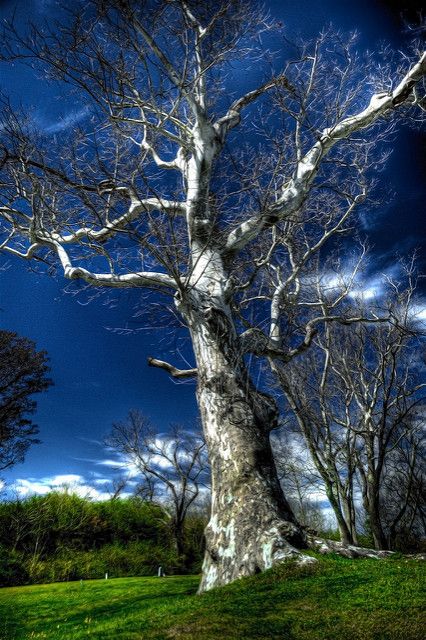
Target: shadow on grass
pixel 75 608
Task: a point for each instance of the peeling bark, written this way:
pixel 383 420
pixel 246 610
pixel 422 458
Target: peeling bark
pixel 251 526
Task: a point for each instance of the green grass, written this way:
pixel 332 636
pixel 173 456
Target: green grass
pixel 335 599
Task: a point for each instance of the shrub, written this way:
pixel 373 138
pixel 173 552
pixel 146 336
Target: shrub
pixel 60 537
pixel 12 568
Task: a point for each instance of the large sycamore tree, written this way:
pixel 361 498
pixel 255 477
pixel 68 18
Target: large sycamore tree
pixel 177 185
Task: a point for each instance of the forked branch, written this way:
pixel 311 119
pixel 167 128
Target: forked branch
pixel 295 191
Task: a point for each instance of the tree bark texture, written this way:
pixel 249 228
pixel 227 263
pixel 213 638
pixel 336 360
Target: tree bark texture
pixel 251 525
pixel 344 530
pixel 372 508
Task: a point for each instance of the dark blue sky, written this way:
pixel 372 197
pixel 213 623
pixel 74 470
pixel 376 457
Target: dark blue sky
pixel 100 374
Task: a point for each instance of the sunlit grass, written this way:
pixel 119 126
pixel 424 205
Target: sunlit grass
pixel 335 599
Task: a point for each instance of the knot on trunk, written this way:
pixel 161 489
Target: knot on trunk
pixel 255 341
pixel 404 95
pixel 267 410
pixel 239 413
pixel 294 534
pixel 217 322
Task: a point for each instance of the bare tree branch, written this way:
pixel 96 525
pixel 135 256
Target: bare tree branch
pixel 174 372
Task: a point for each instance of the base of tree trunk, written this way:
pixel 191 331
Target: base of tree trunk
pixel 271 547
pixel 251 554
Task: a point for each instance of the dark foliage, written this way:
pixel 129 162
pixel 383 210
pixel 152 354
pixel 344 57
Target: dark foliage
pixel 61 536
pixel 23 372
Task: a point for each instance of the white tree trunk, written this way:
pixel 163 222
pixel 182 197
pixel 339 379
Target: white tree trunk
pixel 251 525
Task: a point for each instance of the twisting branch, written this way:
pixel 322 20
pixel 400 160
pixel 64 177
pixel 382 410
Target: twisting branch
pixel 233 116
pixel 136 279
pixel 255 341
pixel 311 329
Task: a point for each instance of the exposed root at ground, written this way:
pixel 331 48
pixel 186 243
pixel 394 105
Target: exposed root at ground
pixel 351 551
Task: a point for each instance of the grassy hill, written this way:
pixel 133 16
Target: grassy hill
pixel 334 600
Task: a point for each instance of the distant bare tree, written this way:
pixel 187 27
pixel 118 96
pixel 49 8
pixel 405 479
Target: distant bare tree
pixel 403 491
pixel 299 478
pixel 359 402
pixel 173 466
pixel 117 487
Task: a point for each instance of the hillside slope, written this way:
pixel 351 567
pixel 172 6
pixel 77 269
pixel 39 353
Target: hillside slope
pixel 335 599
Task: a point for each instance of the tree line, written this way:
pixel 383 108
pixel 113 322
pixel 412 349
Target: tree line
pixel 358 406
pixel 61 536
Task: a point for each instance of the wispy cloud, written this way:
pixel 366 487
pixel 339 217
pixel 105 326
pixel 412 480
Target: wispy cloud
pixel 102 481
pixel 418 311
pixel 368 289
pixel 165 445
pixel 367 284
pixel 329 516
pixel 67 121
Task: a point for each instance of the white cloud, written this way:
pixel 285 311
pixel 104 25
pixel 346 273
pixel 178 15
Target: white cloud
pixel 102 481
pixel 358 288
pixel 125 465
pixel 418 312
pixel 367 292
pixel 41 486
pixel 165 445
pixel 316 495
pixel 329 517
pixel 361 287
pixel 72 482
pixel 65 479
